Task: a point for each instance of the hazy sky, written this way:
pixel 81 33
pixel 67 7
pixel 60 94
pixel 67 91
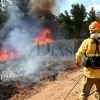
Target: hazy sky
pixel 87 3
pixel 66 4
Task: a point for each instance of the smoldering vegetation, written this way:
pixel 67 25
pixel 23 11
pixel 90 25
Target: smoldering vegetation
pixel 44 61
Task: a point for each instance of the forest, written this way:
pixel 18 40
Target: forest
pixel 73 25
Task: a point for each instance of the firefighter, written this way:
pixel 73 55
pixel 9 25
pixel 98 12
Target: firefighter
pixel 90 76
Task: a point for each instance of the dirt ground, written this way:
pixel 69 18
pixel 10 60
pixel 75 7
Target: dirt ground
pixel 59 88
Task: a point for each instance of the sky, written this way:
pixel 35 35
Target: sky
pixel 66 5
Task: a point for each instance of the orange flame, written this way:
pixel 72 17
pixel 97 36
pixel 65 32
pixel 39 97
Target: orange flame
pixel 43 38
pixel 21 89
pixel 12 55
pixel 3 55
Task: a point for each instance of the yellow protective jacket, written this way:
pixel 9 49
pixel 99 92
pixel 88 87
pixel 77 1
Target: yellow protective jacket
pixel 88 46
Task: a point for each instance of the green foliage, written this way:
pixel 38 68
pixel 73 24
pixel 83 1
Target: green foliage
pixel 70 25
pixel 3 14
pixel 98 16
pixel 65 24
pixel 2 19
pixel 91 16
pixel 22 4
pixel 78 13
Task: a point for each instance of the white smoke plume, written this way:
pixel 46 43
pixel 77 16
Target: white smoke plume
pixel 18 32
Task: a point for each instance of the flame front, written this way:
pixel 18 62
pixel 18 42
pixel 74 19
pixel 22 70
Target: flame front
pixel 14 55
pixel 43 38
pixel 8 54
pixel 3 55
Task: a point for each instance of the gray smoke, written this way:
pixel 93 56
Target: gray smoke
pixel 18 31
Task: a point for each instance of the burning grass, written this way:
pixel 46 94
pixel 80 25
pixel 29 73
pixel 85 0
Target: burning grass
pixel 37 88
pixel 26 86
pixel 7 89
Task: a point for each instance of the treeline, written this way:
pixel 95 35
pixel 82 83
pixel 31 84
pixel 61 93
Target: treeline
pixel 73 25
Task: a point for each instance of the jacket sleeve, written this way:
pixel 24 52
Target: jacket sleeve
pixel 82 49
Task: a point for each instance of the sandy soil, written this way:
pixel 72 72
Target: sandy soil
pixel 59 89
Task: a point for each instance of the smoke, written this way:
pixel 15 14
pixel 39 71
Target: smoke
pixel 19 29
pixel 52 6
pixel 18 32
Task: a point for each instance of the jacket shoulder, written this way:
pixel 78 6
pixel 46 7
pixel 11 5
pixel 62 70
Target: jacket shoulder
pixel 88 40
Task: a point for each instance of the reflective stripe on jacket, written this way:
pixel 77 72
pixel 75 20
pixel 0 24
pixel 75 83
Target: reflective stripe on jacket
pixel 88 46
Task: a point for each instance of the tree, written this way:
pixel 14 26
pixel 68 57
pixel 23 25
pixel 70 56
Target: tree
pixel 98 16
pixel 91 16
pixel 65 25
pixel 78 14
pixel 23 5
pixel 3 16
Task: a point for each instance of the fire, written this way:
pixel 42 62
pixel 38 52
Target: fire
pixel 21 89
pixel 43 38
pixel 8 54
pixel 14 55
pixel 3 55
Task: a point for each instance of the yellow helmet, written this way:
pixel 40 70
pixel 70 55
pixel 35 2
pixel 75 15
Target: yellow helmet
pixel 94 27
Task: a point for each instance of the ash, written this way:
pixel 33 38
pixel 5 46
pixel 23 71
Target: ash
pixel 14 72
pixel 20 71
